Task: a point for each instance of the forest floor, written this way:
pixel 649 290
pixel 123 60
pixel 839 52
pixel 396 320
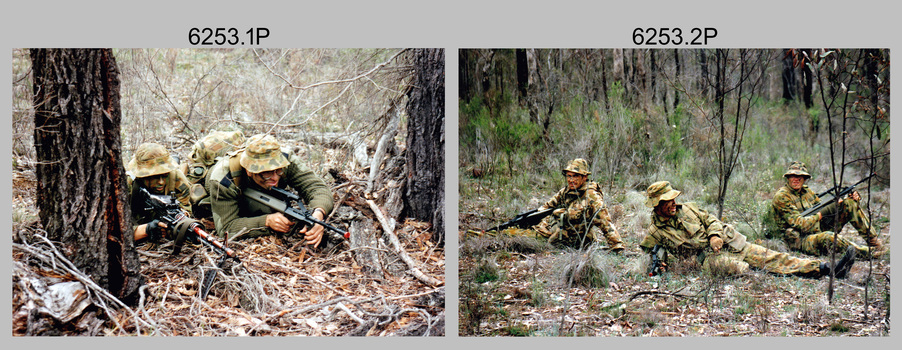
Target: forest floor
pixel 519 286
pixel 277 289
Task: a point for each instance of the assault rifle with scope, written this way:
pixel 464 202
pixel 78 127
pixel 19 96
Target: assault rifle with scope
pixel 524 219
pixel 167 209
pixel 281 200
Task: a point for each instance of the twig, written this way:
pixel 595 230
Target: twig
pixel 347 311
pixel 389 230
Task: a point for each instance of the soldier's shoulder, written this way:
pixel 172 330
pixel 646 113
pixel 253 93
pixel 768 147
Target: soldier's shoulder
pixel 219 170
pixel 783 196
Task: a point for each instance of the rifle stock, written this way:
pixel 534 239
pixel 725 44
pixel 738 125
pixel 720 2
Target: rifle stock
pixel 281 201
pixel 657 265
pixel 842 193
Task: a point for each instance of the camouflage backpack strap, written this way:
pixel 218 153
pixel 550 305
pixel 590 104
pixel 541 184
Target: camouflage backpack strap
pixel 236 171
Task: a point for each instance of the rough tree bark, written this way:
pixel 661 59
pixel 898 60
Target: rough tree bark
pixel 425 195
pixel 81 189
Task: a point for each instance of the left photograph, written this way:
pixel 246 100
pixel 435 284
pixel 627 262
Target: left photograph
pixel 228 192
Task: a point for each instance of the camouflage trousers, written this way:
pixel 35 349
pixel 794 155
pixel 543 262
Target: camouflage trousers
pixel 847 212
pixel 756 256
pixel 576 238
pixel 820 244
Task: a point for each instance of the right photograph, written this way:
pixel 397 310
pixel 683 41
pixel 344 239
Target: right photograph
pixel 674 192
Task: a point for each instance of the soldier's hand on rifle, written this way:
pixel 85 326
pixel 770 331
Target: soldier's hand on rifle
pixel 154 229
pixel 855 196
pixel 716 243
pixel 314 235
pixel 278 222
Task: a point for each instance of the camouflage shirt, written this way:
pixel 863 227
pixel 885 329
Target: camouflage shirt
pixel 577 207
pixel 688 232
pixel 788 205
pixel 233 211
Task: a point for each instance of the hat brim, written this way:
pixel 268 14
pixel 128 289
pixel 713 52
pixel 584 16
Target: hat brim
pixel 245 161
pixel 132 168
pixel 797 173
pixel 669 195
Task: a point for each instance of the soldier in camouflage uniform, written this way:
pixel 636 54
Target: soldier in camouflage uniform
pixel 578 209
pixel 686 230
pixel 203 156
pixel 152 168
pixel 261 165
pixel 811 234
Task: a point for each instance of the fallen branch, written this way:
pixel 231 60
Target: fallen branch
pixel 387 138
pixel 58 261
pixel 388 229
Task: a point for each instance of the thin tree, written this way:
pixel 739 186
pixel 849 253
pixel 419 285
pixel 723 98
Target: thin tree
pixel 748 70
pixel 81 189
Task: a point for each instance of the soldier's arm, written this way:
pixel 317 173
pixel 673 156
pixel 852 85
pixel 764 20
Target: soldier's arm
pixel 648 242
pixel 785 208
pixel 224 204
pixel 311 187
pixel 712 224
pixel 181 191
pixel 602 220
pixel 555 201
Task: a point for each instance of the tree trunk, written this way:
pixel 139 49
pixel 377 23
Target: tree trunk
pixel 789 77
pixel 425 195
pixel 522 76
pixel 676 94
pixel 466 66
pixel 807 79
pixel 604 81
pixel 81 189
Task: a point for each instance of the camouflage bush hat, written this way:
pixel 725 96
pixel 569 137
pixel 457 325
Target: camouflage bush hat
pixel 216 144
pixel 150 159
pixel 263 153
pixel 578 165
pixel 797 168
pixel 660 191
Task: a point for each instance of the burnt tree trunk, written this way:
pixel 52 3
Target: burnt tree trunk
pixel 522 75
pixel 788 76
pixel 425 195
pixel 81 190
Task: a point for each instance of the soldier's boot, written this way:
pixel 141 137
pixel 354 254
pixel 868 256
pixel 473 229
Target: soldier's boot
pixel 842 266
pixel 615 244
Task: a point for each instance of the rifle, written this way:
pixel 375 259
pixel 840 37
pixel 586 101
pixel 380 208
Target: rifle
pixel 281 200
pixel 524 219
pixel 166 209
pixel 657 265
pixel 842 193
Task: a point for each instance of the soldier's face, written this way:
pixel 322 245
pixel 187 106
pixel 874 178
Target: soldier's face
pixel 267 179
pixel 156 184
pixel 575 180
pixel 666 208
pixel 795 181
